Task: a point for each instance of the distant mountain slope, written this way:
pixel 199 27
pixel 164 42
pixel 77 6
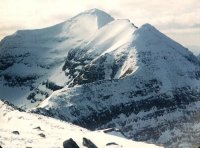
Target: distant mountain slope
pixel 21 129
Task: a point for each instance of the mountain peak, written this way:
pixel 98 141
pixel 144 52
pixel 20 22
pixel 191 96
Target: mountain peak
pixel 95 10
pixel 147 26
pixel 98 72
pixel 103 18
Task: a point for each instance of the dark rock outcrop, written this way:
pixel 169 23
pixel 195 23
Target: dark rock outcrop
pixel 15 132
pixel 111 143
pixel 88 143
pixel 42 135
pixel 38 128
pixel 70 143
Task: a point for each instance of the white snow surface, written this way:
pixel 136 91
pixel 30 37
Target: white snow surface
pixel 129 58
pixel 55 131
pixel 149 55
pixel 143 53
pixel 41 52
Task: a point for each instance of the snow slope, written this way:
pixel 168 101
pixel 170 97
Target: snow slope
pixel 149 61
pixel 56 132
pixel 29 57
pixel 111 74
pixel 145 75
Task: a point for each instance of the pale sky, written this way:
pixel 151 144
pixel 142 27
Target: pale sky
pixel 179 19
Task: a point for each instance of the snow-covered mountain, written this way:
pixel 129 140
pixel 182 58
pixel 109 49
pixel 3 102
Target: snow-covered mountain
pixel 198 57
pixel 29 59
pixel 21 129
pixel 99 72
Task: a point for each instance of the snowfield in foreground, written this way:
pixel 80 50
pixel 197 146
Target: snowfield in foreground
pixel 21 129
